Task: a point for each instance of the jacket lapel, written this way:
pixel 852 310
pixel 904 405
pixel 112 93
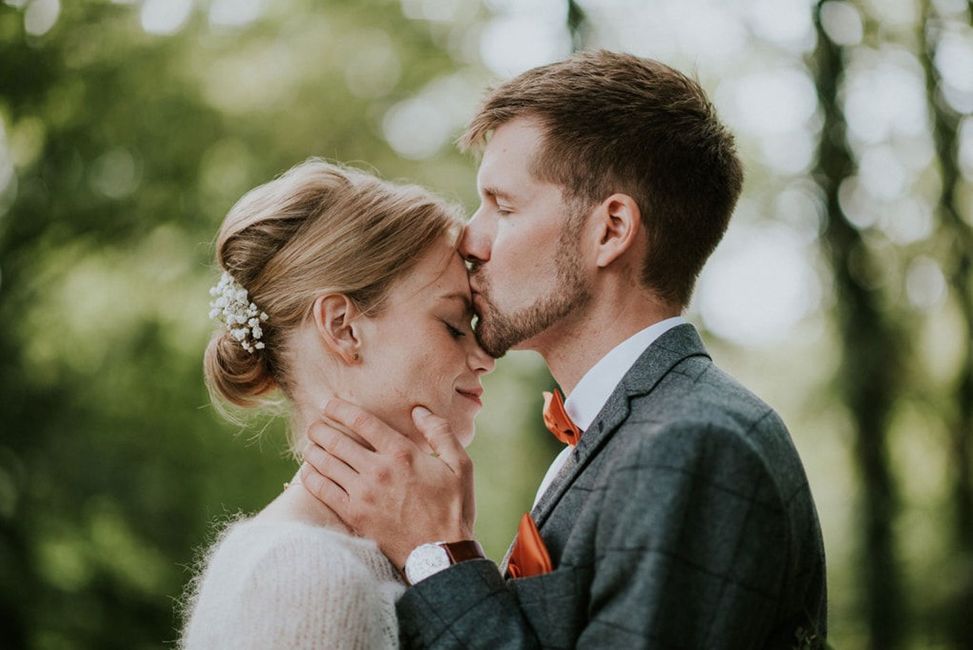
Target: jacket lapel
pixel 655 363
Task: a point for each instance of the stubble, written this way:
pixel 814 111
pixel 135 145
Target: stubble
pixel 498 331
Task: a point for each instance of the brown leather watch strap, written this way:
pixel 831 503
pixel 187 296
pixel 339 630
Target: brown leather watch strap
pixel 468 549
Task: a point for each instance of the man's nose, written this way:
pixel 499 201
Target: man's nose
pixel 474 245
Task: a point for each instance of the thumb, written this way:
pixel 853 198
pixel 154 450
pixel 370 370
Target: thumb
pixel 437 433
pixel 428 423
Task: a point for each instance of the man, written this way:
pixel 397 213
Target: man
pixel 679 515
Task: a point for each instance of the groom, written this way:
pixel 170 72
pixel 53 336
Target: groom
pixel 679 514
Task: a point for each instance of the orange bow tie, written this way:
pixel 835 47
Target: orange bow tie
pixel 557 420
pixel 529 556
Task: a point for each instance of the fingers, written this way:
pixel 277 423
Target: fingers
pixel 375 432
pixel 330 467
pixel 339 444
pixel 325 490
pixel 441 438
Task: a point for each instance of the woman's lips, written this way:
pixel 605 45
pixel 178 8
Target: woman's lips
pixel 472 395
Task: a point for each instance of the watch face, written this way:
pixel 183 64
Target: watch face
pixel 424 561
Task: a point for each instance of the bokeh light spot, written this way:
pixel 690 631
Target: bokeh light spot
pixel 842 23
pixel 235 13
pixel 773 102
pixel 783 22
pixel 884 95
pixel 41 16
pixel 758 285
pixel 416 128
pixel 924 283
pixel 512 44
pixel 375 68
pixel 115 174
pixel 165 16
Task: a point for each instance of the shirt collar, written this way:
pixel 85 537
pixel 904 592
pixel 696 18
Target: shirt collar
pixel 596 386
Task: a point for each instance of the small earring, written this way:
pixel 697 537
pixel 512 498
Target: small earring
pixel 357 356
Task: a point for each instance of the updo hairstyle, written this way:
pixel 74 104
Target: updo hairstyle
pixel 319 228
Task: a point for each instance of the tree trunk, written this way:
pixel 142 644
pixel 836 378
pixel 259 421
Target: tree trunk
pixel 957 269
pixel 577 22
pixel 868 375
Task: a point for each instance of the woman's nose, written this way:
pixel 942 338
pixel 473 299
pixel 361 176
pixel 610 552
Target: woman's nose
pixel 480 362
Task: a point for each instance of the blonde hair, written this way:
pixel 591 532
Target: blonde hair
pixel 318 228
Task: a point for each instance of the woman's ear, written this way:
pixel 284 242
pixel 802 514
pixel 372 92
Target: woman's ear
pixel 619 223
pixel 335 317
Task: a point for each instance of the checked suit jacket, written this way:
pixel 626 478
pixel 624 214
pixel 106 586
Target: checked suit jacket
pixel 682 519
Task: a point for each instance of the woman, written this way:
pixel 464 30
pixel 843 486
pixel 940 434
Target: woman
pixel 335 283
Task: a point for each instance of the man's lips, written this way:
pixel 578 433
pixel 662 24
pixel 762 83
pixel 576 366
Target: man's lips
pixel 478 302
pixel 475 286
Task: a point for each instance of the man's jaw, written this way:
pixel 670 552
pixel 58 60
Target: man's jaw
pixel 481 326
pixel 482 308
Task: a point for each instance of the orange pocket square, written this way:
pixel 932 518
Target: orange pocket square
pixel 529 556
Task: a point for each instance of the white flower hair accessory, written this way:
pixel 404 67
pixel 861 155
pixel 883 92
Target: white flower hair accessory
pixel 233 308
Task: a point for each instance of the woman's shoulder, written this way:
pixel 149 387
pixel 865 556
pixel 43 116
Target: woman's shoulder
pixel 286 547
pixel 284 574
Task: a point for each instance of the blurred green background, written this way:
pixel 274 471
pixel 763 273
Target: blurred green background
pixel 128 128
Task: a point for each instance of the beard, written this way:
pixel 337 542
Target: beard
pixel 498 331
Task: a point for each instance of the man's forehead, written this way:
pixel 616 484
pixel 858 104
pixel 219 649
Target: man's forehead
pixel 512 144
pixel 488 172
pixel 500 178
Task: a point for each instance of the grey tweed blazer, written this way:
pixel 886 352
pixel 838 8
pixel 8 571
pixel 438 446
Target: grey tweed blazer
pixel 683 519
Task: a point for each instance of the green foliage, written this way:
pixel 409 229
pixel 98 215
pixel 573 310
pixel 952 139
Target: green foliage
pixel 121 151
pixel 128 150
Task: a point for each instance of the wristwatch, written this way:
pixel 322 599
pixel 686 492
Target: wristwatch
pixel 428 559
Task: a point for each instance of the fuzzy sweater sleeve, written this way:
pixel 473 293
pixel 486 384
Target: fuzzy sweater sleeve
pixel 297 587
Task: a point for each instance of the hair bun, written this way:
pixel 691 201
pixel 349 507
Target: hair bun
pixel 235 375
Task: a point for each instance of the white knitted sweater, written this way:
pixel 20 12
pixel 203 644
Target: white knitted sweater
pixel 292 584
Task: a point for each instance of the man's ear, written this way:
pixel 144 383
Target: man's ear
pixel 335 321
pixel 619 223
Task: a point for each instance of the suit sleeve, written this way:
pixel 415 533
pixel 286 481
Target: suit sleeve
pixel 469 605
pixel 690 551
pixel 692 546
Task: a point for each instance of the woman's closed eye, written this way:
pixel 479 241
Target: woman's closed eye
pixel 454 331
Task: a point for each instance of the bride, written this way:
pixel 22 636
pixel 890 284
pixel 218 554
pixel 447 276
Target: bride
pixel 335 283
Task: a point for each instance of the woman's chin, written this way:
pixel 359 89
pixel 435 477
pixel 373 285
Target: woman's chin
pixel 465 432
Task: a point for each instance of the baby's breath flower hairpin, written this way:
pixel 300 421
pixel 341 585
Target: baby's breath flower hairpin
pixel 232 307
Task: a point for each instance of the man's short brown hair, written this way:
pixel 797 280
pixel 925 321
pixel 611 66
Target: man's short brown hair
pixel 619 123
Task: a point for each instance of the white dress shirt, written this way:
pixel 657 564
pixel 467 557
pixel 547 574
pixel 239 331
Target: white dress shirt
pixel 596 386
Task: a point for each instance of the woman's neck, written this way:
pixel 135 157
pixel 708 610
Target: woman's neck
pixel 295 503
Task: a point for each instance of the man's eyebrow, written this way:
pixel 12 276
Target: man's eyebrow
pixel 457 295
pixel 494 191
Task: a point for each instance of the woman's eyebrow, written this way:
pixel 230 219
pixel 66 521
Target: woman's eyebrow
pixel 458 295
